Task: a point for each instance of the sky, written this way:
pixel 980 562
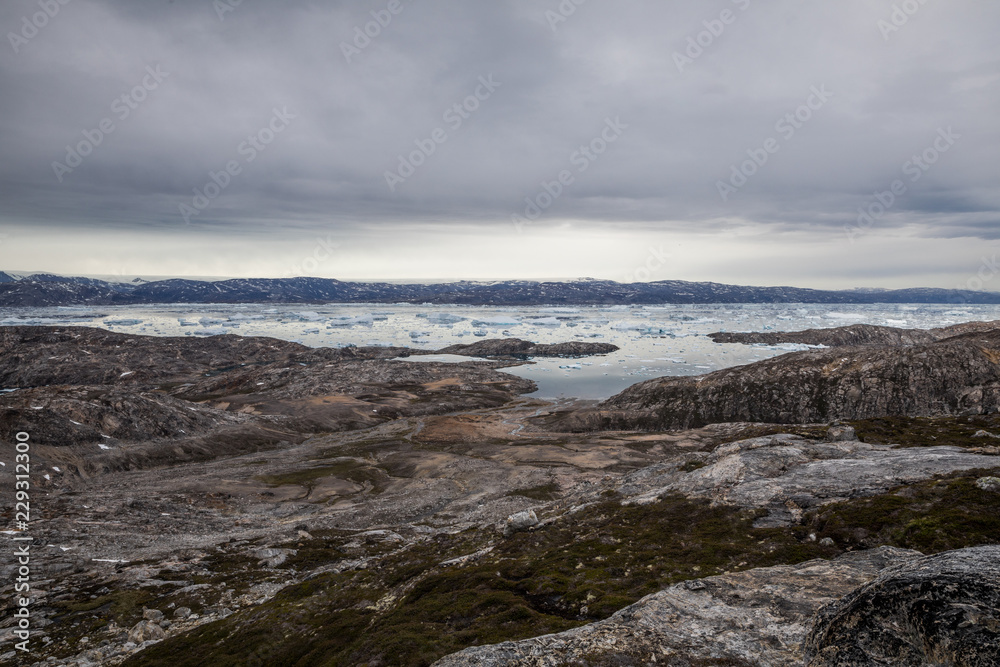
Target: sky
pixel 830 145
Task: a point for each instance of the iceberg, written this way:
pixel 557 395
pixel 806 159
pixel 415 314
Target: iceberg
pixel 497 321
pixel 211 331
pixel 444 318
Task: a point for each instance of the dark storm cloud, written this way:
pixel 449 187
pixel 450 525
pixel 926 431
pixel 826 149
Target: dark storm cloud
pixel 213 75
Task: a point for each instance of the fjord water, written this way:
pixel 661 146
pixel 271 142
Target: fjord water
pixel 654 340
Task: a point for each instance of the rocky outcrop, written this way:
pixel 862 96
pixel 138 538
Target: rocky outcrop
pixel 937 610
pixel 757 617
pixel 181 398
pixel 786 474
pixel 855 334
pixel 954 376
pixel 522 349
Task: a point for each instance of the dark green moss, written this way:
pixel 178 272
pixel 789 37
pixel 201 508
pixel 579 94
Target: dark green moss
pixel 549 491
pixel 950 512
pixel 928 431
pixel 583 567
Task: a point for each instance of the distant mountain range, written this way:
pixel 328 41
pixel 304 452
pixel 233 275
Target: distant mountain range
pixel 52 290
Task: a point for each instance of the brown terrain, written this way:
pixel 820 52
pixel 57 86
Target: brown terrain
pixel 249 501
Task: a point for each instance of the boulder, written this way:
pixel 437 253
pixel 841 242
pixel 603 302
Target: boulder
pixel 935 610
pixel 145 631
pixel 519 521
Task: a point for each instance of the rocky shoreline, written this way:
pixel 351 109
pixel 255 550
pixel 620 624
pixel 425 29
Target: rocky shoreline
pixel 247 501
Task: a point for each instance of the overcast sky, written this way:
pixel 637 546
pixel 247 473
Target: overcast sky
pixel 731 140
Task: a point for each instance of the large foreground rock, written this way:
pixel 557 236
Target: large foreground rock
pixel 937 610
pixel 757 617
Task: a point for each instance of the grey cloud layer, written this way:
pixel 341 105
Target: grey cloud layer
pixel 560 79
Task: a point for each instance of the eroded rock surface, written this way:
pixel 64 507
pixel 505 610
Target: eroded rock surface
pixel 954 376
pixel 787 474
pixel 757 617
pixel 935 610
pixel 855 334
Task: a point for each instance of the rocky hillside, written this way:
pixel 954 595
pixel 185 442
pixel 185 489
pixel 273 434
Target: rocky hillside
pixel 856 334
pixel 953 376
pixel 233 502
pixel 52 290
pixel 143 400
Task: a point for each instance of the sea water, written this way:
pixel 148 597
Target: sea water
pixel 667 340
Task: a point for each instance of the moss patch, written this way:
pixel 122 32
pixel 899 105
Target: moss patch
pixel 409 610
pixel 949 512
pixel 542 492
pixel 928 431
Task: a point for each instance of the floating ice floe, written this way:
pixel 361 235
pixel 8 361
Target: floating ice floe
pixel 547 322
pixel 575 367
pixel 845 316
pixel 560 311
pixel 310 331
pixel 309 316
pixel 496 321
pixel 794 347
pixel 640 327
pixel 184 322
pixel 442 318
pixel 350 320
pixel 27 321
pixel 211 331
pixel 209 321
pixel 122 322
